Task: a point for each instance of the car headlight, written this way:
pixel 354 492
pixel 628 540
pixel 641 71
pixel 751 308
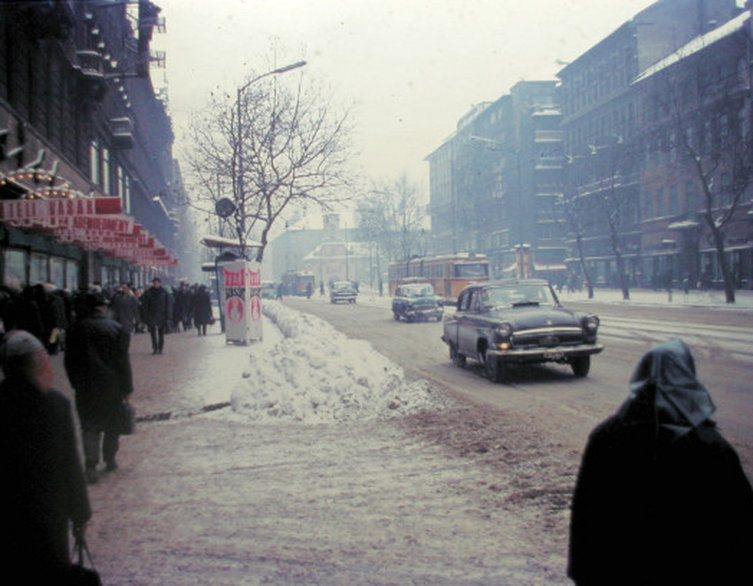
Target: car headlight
pixel 591 324
pixel 504 330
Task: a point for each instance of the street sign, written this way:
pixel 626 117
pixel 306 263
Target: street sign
pixel 224 207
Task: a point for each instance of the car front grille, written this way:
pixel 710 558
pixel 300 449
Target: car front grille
pixel 548 337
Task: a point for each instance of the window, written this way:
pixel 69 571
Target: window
pixel 647 205
pixel 14 273
pixel 690 200
pixel 94 162
pixel 106 188
pixel 660 203
pixel 673 203
pixel 38 269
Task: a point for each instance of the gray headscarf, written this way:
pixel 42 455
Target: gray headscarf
pixel 16 351
pixel 665 378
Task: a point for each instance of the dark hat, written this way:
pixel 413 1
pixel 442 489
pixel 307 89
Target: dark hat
pixel 156 280
pixel 92 299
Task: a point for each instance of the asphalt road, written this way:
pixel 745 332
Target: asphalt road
pixel 562 407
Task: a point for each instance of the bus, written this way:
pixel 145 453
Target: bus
pixel 298 282
pixel 448 273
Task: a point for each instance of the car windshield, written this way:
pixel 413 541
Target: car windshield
pixel 341 285
pixel 420 291
pixel 517 295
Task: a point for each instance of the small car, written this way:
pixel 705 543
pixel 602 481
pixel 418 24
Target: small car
pixel 268 290
pixel 519 321
pixel 416 301
pixel 342 291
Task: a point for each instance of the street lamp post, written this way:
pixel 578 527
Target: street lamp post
pixel 239 150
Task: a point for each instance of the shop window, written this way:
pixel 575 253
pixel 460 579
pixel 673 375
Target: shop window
pixel 57 272
pixel 71 275
pixel 14 268
pixel 38 269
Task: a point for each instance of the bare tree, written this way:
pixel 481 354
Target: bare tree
pixel 701 113
pixel 276 144
pixel 575 209
pixel 618 192
pixel 393 216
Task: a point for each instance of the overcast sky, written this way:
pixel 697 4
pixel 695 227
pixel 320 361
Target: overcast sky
pixel 411 68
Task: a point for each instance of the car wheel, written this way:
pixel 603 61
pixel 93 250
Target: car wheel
pixel 457 358
pixel 581 365
pixel 493 367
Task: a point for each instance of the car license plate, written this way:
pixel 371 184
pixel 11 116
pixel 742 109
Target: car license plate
pixel 554 354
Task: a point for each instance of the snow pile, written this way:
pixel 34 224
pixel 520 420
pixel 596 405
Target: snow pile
pixel 313 374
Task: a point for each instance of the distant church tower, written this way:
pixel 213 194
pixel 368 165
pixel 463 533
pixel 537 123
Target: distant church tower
pixel 331 225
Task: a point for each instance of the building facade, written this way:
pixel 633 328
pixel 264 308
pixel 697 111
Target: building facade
pixel 622 182
pixel 88 185
pixel 633 170
pixel 495 183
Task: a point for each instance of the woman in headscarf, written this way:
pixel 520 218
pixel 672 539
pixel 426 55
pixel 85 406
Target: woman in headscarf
pixel 43 489
pixel 661 497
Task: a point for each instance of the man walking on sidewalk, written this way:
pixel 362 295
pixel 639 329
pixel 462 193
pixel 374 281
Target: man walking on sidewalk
pixel 158 309
pixel 125 308
pixel 99 369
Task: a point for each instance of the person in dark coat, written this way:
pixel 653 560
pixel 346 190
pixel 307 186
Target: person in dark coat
pixel 202 309
pixel 661 497
pixel 125 308
pixel 43 487
pixel 99 369
pixel 158 312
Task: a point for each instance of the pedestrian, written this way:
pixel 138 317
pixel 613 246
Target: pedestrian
pixel 181 299
pixel 202 309
pixel 157 305
pixel 99 369
pixel 125 309
pixel 43 487
pixel 661 497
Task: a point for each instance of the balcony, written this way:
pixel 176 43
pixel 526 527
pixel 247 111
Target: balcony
pixel 90 65
pixel 121 130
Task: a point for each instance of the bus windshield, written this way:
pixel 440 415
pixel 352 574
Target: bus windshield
pixel 471 270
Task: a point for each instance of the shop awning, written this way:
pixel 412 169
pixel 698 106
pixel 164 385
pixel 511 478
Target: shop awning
pixel 222 242
pixel 92 223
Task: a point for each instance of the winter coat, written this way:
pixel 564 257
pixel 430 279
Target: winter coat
pixel 661 497
pixel 98 367
pixel 125 310
pixel 202 307
pixel 43 485
pixel 158 306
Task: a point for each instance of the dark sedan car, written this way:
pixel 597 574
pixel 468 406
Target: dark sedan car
pixel 500 323
pixel 416 301
pixel 342 291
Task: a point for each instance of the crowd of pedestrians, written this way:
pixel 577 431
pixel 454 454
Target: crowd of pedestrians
pixel 47 312
pixel 46 482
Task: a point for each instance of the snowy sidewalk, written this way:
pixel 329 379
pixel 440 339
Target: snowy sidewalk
pixel 266 495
